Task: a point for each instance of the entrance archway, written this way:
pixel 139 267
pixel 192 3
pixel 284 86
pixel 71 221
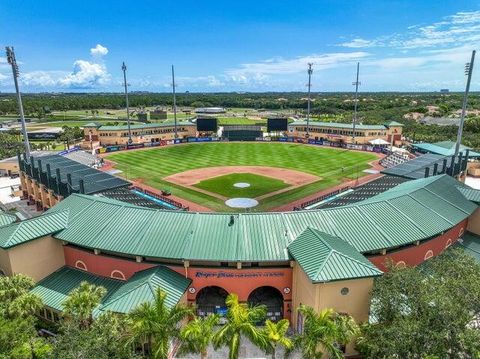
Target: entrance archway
pixel 272 298
pixel 211 300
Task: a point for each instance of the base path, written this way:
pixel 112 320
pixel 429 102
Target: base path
pixel 192 177
pixel 352 183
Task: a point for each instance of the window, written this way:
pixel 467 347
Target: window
pixel 80 265
pixel 116 274
pixel 428 255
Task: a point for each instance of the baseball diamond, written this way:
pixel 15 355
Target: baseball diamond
pixel 169 166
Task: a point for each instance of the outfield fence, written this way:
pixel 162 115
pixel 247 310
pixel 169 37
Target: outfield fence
pixel 366 148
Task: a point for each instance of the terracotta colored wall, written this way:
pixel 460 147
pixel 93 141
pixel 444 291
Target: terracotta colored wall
pixel 415 255
pixel 102 265
pixel 241 281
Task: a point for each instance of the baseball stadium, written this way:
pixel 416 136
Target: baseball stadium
pixel 313 221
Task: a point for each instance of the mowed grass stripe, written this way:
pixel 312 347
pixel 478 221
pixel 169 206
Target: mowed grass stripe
pixel 332 165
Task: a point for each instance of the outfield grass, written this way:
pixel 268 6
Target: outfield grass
pixel 332 165
pixel 259 185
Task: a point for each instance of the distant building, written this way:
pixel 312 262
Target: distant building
pixel 158 114
pixel 390 132
pixel 210 110
pixel 142 116
pixel 96 135
pixel 444 90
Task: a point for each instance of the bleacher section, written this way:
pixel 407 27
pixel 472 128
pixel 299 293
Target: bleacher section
pixel 394 159
pixel 85 158
pixel 365 191
pixel 434 164
pixel 128 196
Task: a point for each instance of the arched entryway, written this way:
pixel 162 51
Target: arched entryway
pixel 211 300
pixel 272 298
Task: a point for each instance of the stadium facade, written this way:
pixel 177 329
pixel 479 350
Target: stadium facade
pixel 390 132
pixel 96 135
pixel 325 258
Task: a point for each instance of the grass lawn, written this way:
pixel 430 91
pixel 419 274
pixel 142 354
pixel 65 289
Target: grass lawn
pixel 259 185
pixel 332 165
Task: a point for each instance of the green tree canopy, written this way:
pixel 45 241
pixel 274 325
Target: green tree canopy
pixel 241 321
pixel 427 311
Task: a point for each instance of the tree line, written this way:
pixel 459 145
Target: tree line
pixel 373 108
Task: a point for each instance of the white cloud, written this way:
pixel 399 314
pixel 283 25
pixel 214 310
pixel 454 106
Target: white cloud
pixel 359 43
pixel 458 29
pixel 86 74
pixel 281 66
pixel 199 81
pixel 98 51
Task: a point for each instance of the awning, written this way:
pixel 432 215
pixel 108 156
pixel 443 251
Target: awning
pixel 378 141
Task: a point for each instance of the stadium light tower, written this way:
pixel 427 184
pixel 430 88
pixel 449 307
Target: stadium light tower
pixel 124 69
pixel 309 71
pixel 12 61
pixel 468 72
pixel 356 84
pixel 174 101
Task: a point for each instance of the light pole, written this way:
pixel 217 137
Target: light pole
pixel 12 61
pixel 124 69
pixel 356 83
pixel 174 101
pixel 468 72
pixel 309 71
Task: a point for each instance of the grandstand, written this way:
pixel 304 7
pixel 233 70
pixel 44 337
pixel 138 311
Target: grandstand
pixel 365 191
pixel 85 158
pixel 394 159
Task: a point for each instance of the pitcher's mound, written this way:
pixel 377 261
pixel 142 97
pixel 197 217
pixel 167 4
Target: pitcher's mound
pixel 241 203
pixel 241 185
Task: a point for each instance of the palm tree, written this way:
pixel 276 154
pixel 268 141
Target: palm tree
pixel 15 297
pixel 276 335
pixel 241 320
pixel 81 303
pixel 156 324
pixel 197 335
pixel 324 331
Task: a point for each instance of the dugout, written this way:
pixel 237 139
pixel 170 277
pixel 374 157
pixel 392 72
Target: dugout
pixel 242 132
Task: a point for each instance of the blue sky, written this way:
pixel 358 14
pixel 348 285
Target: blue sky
pixel 239 45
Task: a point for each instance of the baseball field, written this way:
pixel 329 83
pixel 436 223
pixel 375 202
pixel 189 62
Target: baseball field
pixel 276 173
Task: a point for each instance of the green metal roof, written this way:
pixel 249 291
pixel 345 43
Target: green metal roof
pixel 393 123
pixel 55 288
pixel 412 211
pixel 471 244
pixel 470 193
pixel 144 126
pixel 94 180
pixel 6 219
pixel 142 288
pixel 347 126
pixel 92 124
pixel 444 148
pixel 21 232
pixel 121 296
pixel 326 258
